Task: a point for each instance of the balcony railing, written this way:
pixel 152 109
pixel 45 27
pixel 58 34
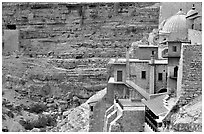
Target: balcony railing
pixel 119 103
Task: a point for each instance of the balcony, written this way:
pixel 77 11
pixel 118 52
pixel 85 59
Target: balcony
pixel 112 80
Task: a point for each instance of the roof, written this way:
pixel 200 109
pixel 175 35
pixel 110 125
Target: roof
pixel 192 13
pixel 174 41
pixel 156 105
pixel 176 26
pixel 129 103
pixel 123 61
pixel 150 46
pixel 162 61
pixel 96 97
pixel 111 80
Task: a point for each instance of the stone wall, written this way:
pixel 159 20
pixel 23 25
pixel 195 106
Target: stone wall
pixel 136 73
pixel 186 115
pixel 131 121
pixel 192 73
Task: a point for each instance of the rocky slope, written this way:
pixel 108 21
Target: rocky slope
pixel 63 52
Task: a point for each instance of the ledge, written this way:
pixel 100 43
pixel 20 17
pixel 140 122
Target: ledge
pixel 112 81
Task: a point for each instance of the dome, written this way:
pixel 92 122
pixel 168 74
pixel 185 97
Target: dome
pixel 176 26
pixel 192 12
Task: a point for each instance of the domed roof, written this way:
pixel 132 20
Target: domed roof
pixel 176 26
pixel 192 12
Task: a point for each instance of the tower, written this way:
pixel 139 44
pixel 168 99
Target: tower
pixel 190 17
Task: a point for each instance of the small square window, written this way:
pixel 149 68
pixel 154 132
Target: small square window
pixel 143 74
pixel 160 76
pixel 174 48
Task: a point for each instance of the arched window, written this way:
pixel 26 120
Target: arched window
pixel 192 26
pixel 176 71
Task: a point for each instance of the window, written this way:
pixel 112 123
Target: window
pixel 192 26
pixel 143 74
pixel 119 75
pixel 152 52
pixel 160 76
pixel 174 49
pixel 91 107
pixel 175 71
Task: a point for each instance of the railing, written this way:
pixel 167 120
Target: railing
pixel 152 126
pixel 119 103
pixel 108 111
pixel 119 115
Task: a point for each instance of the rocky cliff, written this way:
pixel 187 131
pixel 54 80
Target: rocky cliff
pixel 63 52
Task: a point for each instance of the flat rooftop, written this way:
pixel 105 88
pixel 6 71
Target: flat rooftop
pixel 122 61
pixel 111 80
pixel 150 46
pixel 129 103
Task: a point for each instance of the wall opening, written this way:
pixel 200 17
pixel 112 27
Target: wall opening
pixel 143 74
pixel 11 27
pixel 160 76
pixel 91 107
pixel 174 48
pixel 119 75
pixel 176 71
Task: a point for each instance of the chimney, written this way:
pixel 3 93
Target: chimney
pixel 152 59
pixel 127 65
pixel 152 74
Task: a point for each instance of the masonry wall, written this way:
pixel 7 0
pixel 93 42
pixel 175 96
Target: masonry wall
pixel 136 72
pixel 192 73
pixel 159 84
pixel 120 67
pixel 144 53
pixel 172 83
pixel 133 121
pixel 121 91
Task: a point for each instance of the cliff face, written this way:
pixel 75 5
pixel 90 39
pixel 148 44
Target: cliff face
pixel 63 52
pixel 87 30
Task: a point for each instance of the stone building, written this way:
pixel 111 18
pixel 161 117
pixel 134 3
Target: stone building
pixel 183 92
pixel 130 80
pixel 148 85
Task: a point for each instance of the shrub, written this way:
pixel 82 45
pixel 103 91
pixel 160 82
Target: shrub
pixel 37 108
